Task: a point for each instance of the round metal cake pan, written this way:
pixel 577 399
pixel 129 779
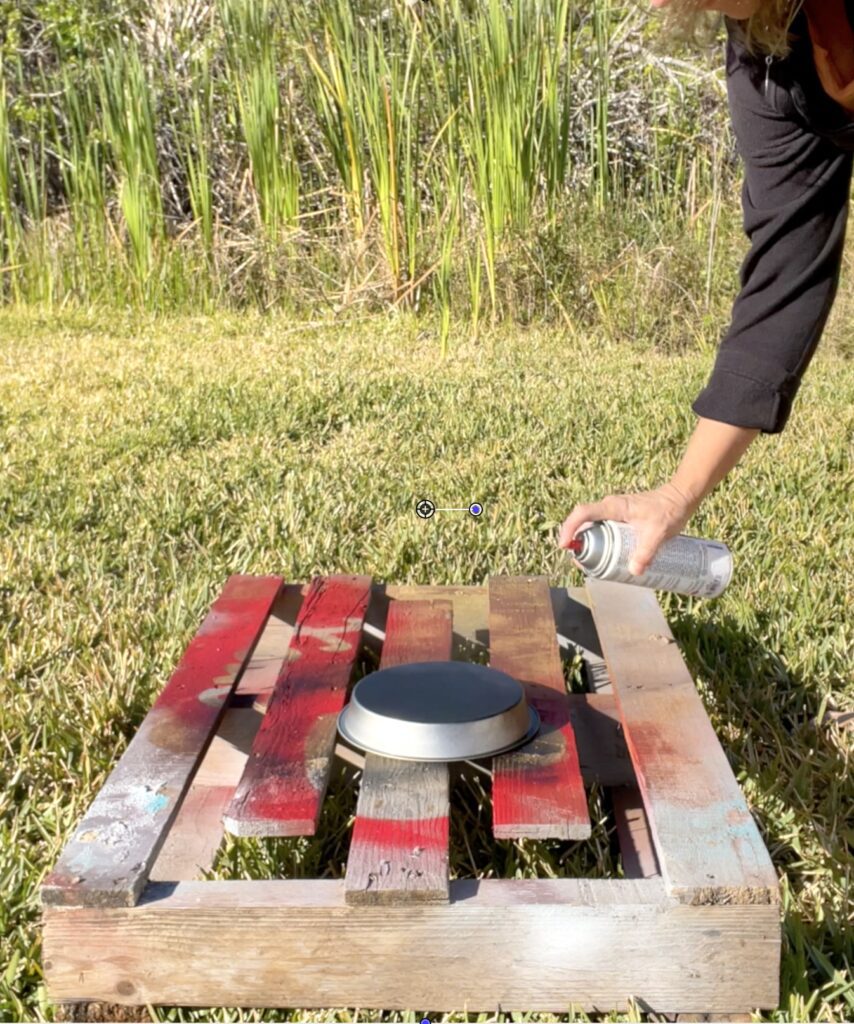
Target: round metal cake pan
pixel 438 711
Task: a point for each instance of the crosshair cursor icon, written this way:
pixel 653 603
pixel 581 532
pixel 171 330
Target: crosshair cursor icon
pixel 424 508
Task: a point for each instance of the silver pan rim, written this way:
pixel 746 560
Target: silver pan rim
pixel 533 729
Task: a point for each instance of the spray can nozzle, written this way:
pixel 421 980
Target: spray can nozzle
pixel 575 545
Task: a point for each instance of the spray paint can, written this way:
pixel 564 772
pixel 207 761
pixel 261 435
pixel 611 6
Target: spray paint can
pixel 683 565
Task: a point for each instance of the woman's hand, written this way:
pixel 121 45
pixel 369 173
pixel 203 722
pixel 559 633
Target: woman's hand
pixel 713 450
pixel 654 516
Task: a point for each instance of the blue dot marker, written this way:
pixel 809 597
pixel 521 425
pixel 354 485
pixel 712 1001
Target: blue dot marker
pixel 475 508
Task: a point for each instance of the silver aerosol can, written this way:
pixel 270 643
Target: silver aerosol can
pixel 683 565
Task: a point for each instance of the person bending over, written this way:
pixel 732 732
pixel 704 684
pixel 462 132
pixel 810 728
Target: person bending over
pixel 790 85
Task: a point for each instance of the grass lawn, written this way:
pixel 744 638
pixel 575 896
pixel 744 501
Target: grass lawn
pixel 141 462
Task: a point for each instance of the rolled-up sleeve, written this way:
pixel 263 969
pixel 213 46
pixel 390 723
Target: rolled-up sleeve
pixel 795 202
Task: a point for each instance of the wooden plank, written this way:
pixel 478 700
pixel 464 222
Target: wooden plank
pixel 328 894
pixel 399 848
pixel 538 790
pixel 636 846
pixel 470 615
pixel 708 845
pixel 196 835
pixel 283 784
pixel 539 945
pixel 107 860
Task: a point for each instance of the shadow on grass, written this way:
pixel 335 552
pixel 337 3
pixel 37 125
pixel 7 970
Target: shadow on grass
pixel 795 774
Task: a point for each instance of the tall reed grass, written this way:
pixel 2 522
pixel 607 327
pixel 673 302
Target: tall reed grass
pixel 10 227
pixel 127 100
pixel 252 76
pixel 371 153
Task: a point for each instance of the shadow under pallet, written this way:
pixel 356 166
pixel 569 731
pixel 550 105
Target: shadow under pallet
pixel 240 854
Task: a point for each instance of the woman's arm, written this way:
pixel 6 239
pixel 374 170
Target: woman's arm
pixel 713 450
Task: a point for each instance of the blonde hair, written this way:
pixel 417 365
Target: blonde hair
pixel 766 31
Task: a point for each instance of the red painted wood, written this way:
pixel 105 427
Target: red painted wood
pixel 389 834
pixel 282 787
pixel 108 859
pixel 195 836
pixel 417 631
pixel 538 790
pixel 399 849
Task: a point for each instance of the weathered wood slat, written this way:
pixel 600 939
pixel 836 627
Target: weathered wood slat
pixel 538 790
pixel 283 784
pixel 196 833
pixel 470 614
pixel 498 945
pixel 108 859
pixel 399 848
pixel 713 1018
pixel 708 846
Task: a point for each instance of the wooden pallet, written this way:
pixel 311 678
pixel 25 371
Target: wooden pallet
pixel 243 738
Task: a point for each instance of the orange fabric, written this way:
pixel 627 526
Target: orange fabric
pixel 833 44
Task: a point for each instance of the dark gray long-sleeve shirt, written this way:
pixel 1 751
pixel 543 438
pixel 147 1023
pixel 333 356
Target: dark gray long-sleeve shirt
pixel 797 146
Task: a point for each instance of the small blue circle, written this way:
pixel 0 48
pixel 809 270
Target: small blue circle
pixel 475 508
pixel 425 1020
